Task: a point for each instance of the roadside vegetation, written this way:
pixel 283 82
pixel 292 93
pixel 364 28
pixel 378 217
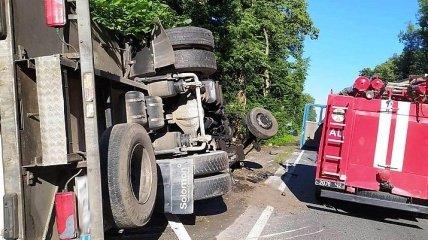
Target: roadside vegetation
pixel 259 47
pixel 414 58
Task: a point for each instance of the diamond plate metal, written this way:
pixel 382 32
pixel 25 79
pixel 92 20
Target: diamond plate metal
pixel 51 110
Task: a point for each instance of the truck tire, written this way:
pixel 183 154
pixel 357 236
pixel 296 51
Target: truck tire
pixel 190 37
pixel 131 172
pixel 209 163
pixel 383 196
pixel 197 61
pixel 213 186
pixel 261 123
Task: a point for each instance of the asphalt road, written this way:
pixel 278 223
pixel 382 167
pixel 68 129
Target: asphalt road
pixel 281 205
pixel 328 221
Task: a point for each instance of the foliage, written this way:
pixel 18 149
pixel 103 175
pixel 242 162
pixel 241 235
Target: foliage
pixel 306 98
pixel 414 58
pixel 283 139
pixel 134 18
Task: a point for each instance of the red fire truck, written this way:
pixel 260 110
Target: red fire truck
pixel 374 145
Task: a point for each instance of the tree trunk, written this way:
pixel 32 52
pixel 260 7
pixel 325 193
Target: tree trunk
pixel 266 75
pixel 242 96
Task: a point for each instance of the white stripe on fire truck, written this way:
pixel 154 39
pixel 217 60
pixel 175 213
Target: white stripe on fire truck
pixel 400 137
pixel 383 132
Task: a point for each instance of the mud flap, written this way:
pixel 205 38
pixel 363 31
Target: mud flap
pixel 157 55
pixel 176 181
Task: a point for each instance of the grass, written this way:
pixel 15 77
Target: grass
pixel 282 140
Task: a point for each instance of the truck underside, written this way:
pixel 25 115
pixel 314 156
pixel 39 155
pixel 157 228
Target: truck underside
pixel 97 130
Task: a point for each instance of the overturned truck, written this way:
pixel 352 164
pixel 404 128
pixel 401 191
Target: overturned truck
pixel 96 130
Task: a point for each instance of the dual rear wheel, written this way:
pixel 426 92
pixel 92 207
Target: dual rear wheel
pixel 130 175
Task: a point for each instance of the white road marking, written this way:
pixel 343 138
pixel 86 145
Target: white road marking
pixel 400 138
pixel 280 233
pixel 283 184
pixel 177 227
pixel 242 225
pixel 382 138
pixel 276 178
pixel 257 229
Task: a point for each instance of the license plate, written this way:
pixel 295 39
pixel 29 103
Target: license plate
pixel 329 184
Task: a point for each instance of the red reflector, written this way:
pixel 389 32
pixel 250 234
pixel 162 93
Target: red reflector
pixel 55 13
pixel 377 84
pixel 362 84
pixel 383 175
pixel 66 219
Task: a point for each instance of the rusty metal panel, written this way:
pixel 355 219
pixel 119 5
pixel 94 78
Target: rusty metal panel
pixel 51 110
pixel 31 147
pixel 9 124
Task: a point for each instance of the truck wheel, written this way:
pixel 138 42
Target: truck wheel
pixel 213 186
pixel 209 163
pixel 383 196
pixel 261 123
pixel 194 60
pixel 131 175
pixel 190 37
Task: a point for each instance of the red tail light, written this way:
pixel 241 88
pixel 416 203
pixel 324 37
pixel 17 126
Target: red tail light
pixel 55 13
pixel 377 84
pixel 362 84
pixel 383 175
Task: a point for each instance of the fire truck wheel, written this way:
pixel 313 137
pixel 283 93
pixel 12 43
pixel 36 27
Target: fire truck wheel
pixel 209 163
pixel 194 60
pixel 212 186
pixel 261 123
pixel 190 37
pixel 131 175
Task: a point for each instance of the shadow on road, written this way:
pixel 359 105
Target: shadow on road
pixel 209 207
pixel 301 184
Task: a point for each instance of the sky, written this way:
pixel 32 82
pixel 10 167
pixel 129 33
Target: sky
pixel 354 34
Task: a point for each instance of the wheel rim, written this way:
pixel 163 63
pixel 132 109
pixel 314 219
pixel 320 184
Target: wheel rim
pixel 264 121
pixel 140 174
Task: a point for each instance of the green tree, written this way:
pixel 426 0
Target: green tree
pixel 134 17
pixel 414 58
